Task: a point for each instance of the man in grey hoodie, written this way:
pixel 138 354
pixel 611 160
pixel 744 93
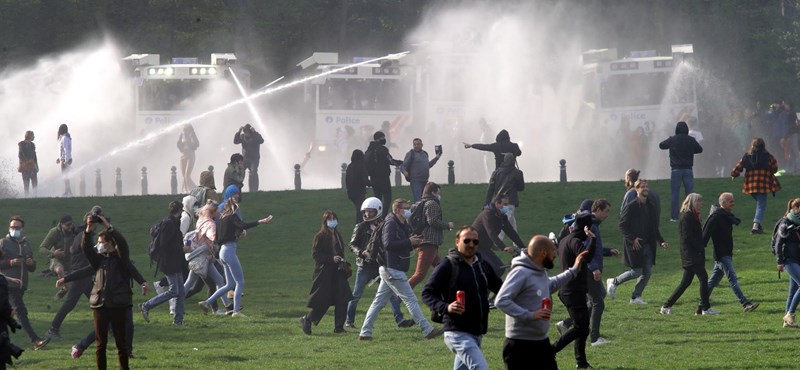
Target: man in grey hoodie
pixel 520 298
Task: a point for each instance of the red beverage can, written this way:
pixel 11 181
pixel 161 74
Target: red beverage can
pixel 461 297
pixel 547 303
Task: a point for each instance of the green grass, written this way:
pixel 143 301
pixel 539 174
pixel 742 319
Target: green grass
pixel 278 266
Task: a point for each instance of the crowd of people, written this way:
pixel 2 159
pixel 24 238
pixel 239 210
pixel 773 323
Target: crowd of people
pixel 196 246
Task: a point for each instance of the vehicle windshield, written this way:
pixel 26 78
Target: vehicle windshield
pixel 168 94
pixel 365 94
pixel 642 89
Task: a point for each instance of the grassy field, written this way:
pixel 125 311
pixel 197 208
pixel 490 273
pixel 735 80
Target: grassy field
pixel 278 266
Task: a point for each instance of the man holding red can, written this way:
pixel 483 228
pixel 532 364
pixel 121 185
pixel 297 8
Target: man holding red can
pixel 525 298
pixel 458 291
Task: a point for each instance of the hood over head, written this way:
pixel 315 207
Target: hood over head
pixel 230 191
pixel 681 128
pixel 504 136
pixel 207 180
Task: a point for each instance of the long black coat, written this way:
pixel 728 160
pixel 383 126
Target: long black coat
pixel 329 285
pixel 639 221
pixel 693 248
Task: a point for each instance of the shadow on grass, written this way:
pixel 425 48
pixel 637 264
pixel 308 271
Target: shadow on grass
pixel 711 339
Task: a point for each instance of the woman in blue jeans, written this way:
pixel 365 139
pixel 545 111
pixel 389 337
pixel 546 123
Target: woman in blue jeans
pixel 759 178
pixel 231 228
pixel 788 253
pixel 205 237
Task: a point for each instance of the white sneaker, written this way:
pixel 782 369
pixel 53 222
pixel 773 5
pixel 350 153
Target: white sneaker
pixel 600 341
pixel 666 310
pixel 561 327
pixel 711 311
pixel 611 288
pixel 637 300
pixel 220 312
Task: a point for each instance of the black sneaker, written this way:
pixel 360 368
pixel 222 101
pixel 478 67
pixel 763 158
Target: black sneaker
pixel 53 334
pixel 407 323
pixel 60 294
pixel 305 324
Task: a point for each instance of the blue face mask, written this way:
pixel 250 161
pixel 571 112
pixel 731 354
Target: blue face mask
pixel 15 233
pixel 332 223
pixel 406 214
pixel 439 197
pixel 505 210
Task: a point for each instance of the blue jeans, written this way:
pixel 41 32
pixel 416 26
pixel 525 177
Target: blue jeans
pixel 678 177
pixel 363 276
pixel 394 281
pixel 416 188
pixel 724 266
pixel 175 291
pixel 642 274
pixel 761 206
pixel 219 281
pixel 467 348
pixel 793 268
pixel 234 276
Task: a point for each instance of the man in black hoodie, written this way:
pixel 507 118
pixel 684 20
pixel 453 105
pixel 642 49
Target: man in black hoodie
pixel 573 293
pixel 719 228
pixel 251 142
pixel 682 149
pixel 379 162
pixel 170 262
pixel 501 146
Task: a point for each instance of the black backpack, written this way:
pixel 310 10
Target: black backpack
pixel 375 250
pixel 418 221
pixel 371 161
pixel 774 243
pixel 435 315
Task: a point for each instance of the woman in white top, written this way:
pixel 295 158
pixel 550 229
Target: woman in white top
pixel 65 155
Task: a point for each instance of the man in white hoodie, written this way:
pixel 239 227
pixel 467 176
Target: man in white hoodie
pixel 520 298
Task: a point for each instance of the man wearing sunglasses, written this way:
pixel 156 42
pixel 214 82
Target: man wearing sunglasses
pixel 465 322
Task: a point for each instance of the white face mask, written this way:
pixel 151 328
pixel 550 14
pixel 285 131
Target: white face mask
pixel 15 233
pixel 101 248
pixel 406 214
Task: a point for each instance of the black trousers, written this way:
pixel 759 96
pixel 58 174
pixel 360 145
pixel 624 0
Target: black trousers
pixel 519 354
pixel 77 288
pixel 115 319
pixel 16 302
pixel 689 272
pixel 382 187
pixel 576 306
pixel 91 338
pixel 340 311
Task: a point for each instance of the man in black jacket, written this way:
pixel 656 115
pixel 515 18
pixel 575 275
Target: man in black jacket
pixel 573 293
pixel 682 149
pixel 502 145
pixel 379 162
pixel 719 228
pixel 170 261
pixel 465 322
pixel 507 179
pixel 251 142
pixel 489 223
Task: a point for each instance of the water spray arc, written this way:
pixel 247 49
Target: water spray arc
pixel 174 126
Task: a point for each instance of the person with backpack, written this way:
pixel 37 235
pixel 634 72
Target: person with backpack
pixel 719 229
pixel 489 223
pixel 188 216
pixel 201 258
pixel 397 244
pixel 167 253
pixel 416 168
pixel 509 180
pixel 525 298
pixel 329 285
pixel 787 251
pixel 367 270
pixel 231 228
pixel 759 168
pixel 465 321
pixel 206 190
pixel 427 218
pixel 379 162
